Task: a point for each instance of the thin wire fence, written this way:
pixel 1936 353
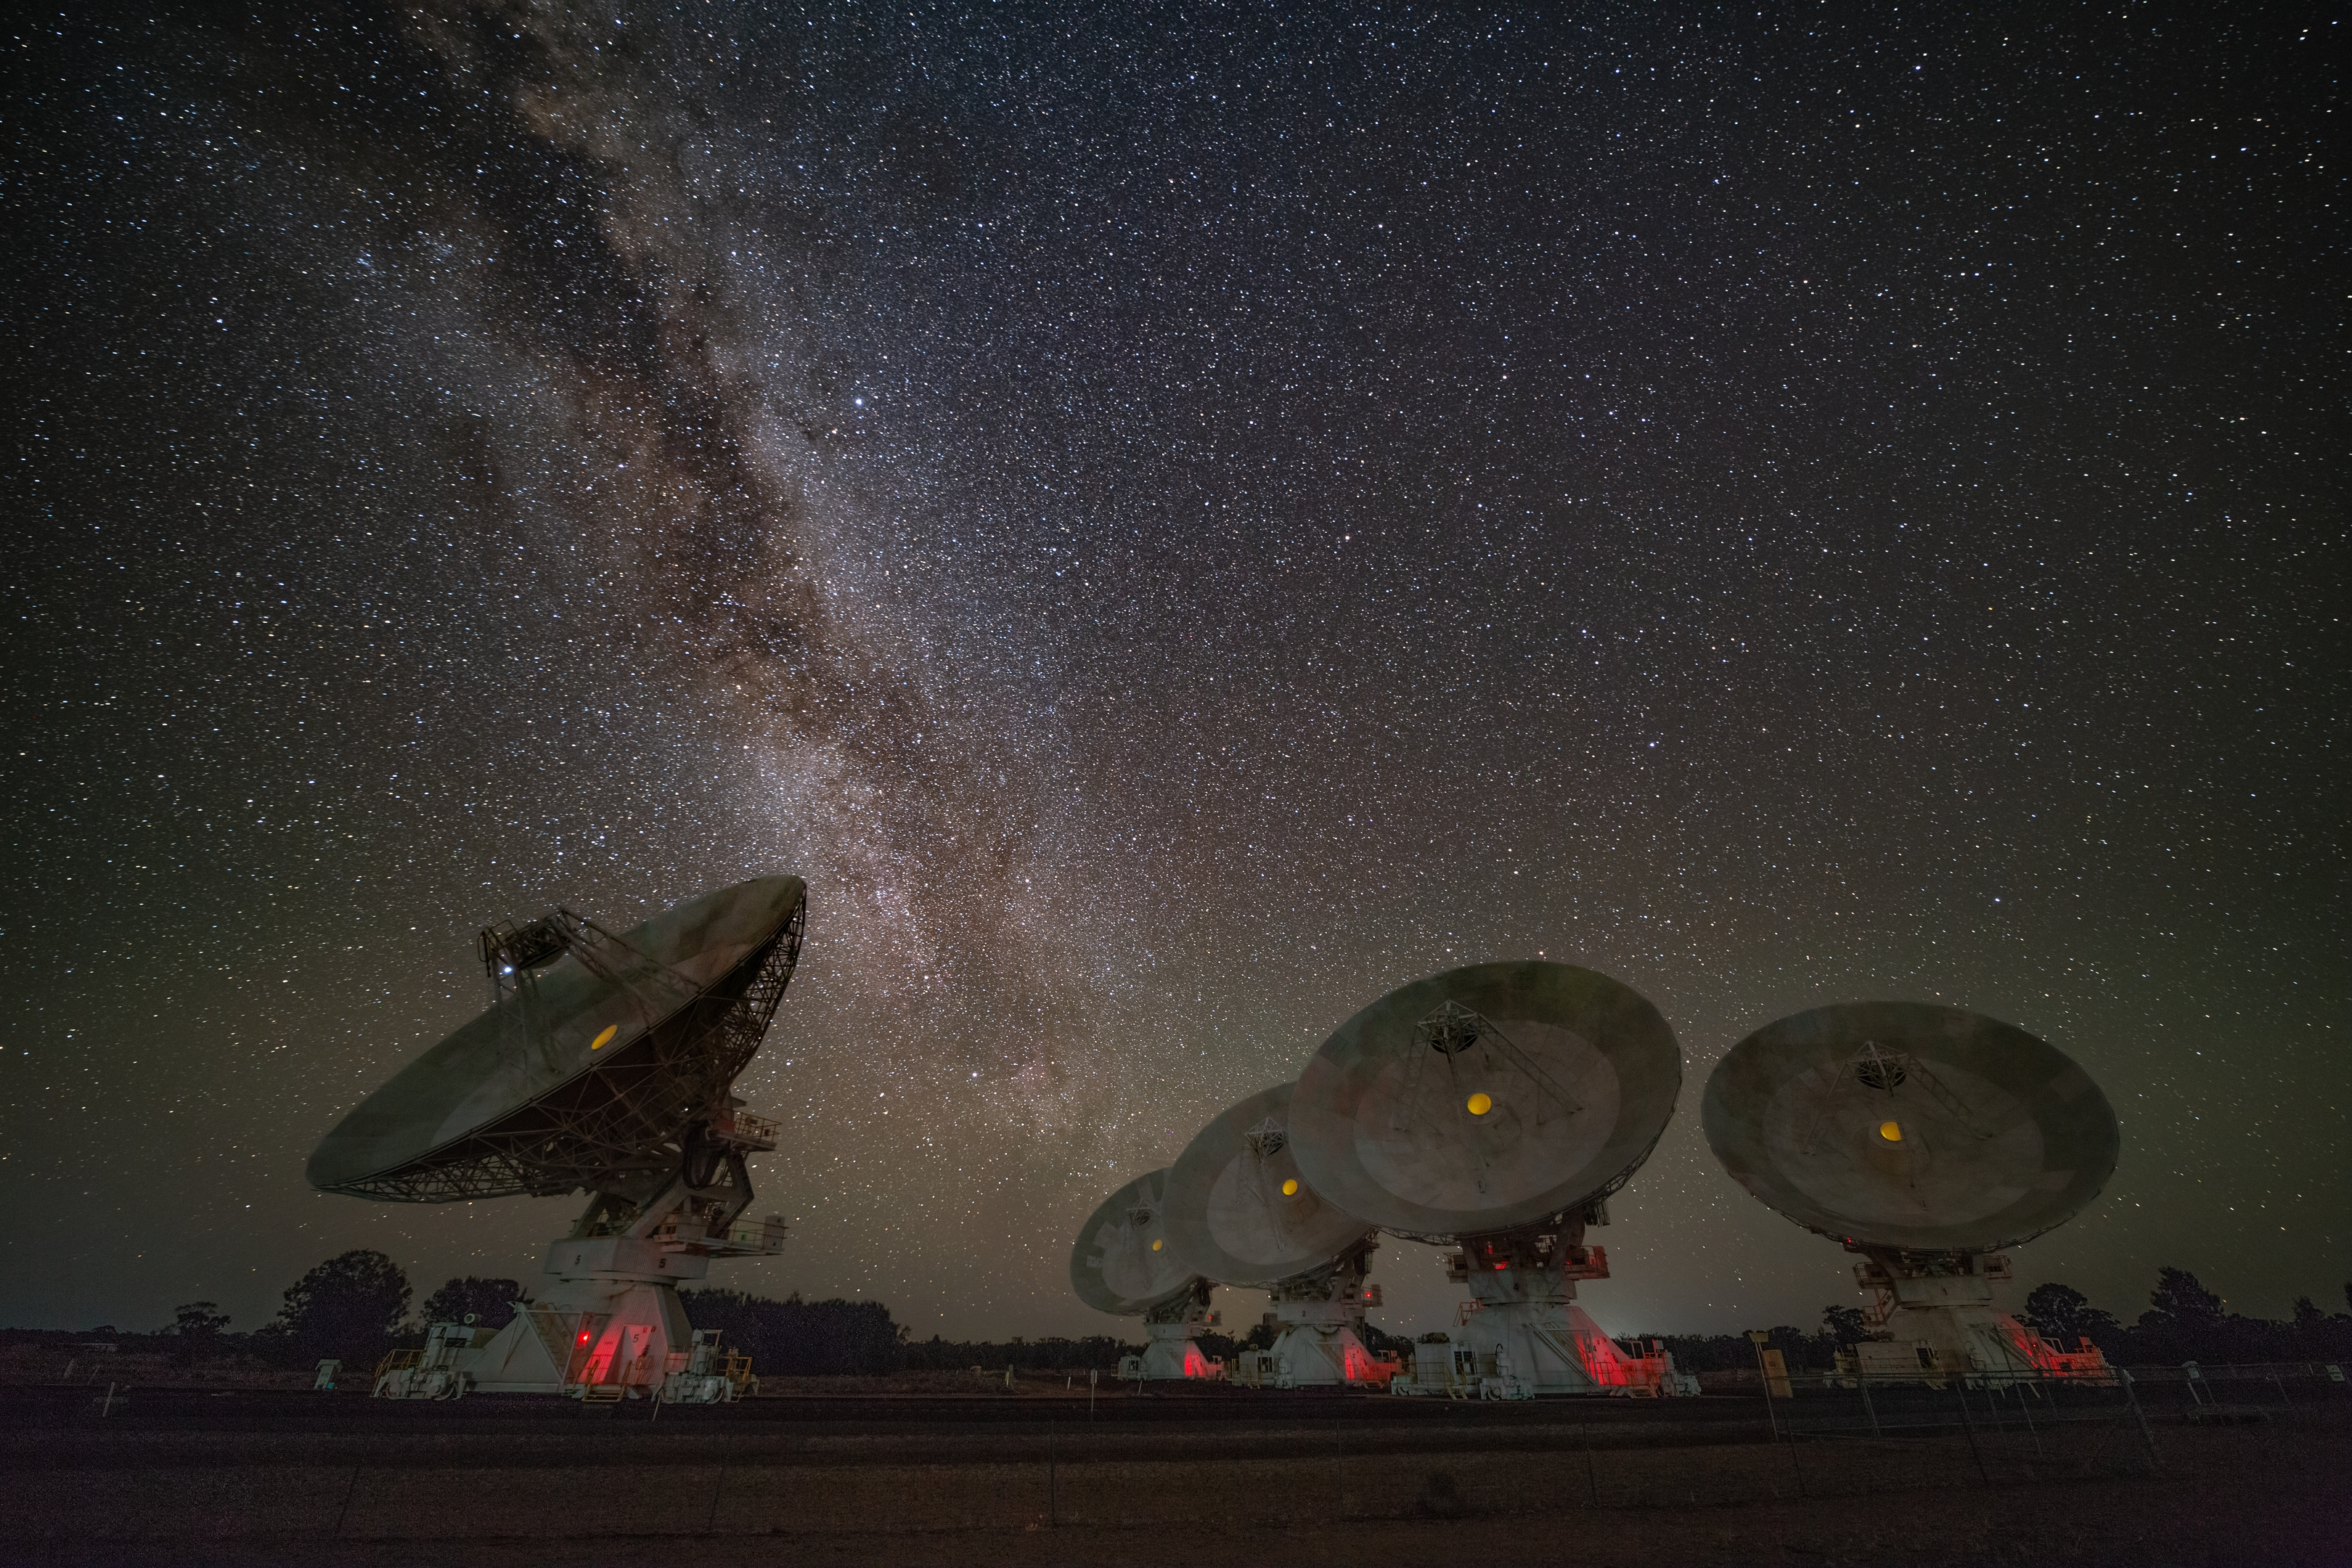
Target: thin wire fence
pixel 1847 1433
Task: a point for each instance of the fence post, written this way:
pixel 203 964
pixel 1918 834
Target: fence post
pixel 2030 1428
pixel 1764 1381
pixel 1960 1387
pixel 349 1487
pixel 2131 1393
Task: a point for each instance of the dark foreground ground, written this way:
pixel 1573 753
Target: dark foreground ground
pixel 201 1478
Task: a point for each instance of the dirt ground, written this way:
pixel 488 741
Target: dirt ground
pixel 212 1481
pixel 45 1366
pixel 2133 1524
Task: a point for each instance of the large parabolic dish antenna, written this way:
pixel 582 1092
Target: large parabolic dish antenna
pixel 1496 1106
pixel 1905 1126
pixel 605 1062
pixel 1238 1206
pixel 1125 1262
pixel 600 1059
pixel 1242 1213
pixel 1486 1099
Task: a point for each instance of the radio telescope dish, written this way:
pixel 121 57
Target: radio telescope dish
pixel 1496 1107
pixel 1902 1126
pixel 1238 1206
pixel 1240 1210
pixel 598 1056
pixel 1486 1099
pixel 605 1062
pixel 1127 1263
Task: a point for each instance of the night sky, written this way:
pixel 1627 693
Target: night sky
pixel 1174 521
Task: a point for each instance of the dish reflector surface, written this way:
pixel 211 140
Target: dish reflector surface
pixel 1115 1265
pixel 1910 1126
pixel 1237 1206
pixel 1578 1075
pixel 580 1075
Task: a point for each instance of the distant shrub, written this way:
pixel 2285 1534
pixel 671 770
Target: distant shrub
pixel 802 1339
pixel 1098 1353
pixel 349 1307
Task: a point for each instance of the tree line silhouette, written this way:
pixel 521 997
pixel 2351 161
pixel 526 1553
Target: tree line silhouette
pixel 2184 1321
pixel 354 1307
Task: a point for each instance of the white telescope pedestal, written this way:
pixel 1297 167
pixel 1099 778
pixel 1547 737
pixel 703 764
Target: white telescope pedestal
pixel 1933 1318
pixel 607 1326
pixel 1319 1346
pixel 1320 1313
pixel 1524 1325
pixel 1170 1352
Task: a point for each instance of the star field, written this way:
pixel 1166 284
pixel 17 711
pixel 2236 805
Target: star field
pixel 1173 522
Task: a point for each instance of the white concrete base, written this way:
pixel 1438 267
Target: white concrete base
pixel 1938 1323
pixel 1973 1343
pixel 608 1325
pixel 1545 1347
pixel 1320 1355
pixel 1170 1352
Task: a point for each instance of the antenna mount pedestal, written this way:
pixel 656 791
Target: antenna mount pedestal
pixel 1320 1312
pixel 1524 1326
pixel 1169 1350
pixel 1933 1318
pixel 609 1325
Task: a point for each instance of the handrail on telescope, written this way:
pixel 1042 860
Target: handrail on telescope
pixel 515 950
pixel 1893 1067
pixel 1450 1016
